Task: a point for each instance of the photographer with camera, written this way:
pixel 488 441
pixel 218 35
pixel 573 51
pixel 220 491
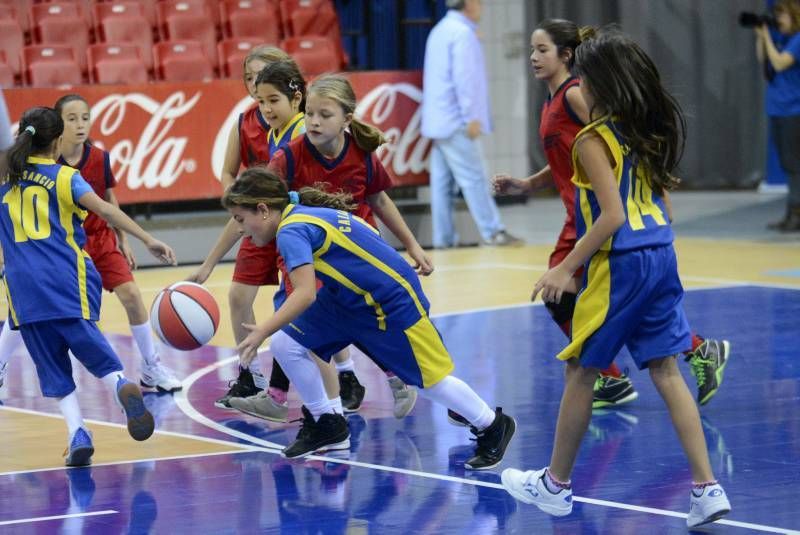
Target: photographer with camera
pixel 779 53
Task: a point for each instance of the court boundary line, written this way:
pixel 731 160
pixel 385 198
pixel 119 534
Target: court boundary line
pixel 31 520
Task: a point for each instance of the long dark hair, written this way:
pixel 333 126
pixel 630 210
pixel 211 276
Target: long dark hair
pixel 284 75
pixel 257 185
pixel 625 83
pixel 39 128
pixel 566 35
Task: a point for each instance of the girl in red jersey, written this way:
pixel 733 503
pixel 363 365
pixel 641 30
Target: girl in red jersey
pixel 564 113
pixel 108 248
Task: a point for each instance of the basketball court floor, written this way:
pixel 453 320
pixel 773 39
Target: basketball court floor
pixel 208 470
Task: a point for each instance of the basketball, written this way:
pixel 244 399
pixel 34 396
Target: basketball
pixel 185 315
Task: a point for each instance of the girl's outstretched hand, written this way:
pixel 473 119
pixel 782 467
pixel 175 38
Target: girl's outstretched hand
pixel 162 251
pixel 248 349
pixel 422 262
pixel 552 284
pixel 502 183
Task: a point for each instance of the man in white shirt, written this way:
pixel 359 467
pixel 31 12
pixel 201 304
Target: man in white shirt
pixel 455 112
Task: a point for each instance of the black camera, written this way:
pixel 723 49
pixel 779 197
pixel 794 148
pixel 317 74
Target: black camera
pixel 751 20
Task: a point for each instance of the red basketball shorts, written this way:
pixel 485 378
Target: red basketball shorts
pixel 109 261
pixel 256 266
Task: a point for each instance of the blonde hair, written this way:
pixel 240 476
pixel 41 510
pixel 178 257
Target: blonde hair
pixel 257 185
pixel 266 53
pixel 791 8
pixel 338 89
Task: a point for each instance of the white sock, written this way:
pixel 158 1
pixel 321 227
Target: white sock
pixel 72 412
pixel 346 366
pixel 258 377
pixel 302 372
pixel 143 335
pixel 110 381
pixel 457 395
pixel 9 340
pixel 336 405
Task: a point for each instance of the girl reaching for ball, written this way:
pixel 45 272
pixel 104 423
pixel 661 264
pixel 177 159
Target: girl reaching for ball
pixel 52 285
pixel 108 247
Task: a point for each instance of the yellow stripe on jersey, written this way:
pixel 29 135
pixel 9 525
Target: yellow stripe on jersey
pixel 432 357
pixel 67 207
pixel 336 236
pixel 592 306
pixel 11 310
pixel 275 139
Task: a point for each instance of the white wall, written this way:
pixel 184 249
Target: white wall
pixel 505 44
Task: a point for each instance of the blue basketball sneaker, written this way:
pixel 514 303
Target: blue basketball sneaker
pixel 80 449
pixel 140 421
pixel 529 487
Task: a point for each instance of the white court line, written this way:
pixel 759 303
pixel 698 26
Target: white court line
pixel 242 449
pixel 57 517
pixel 122 426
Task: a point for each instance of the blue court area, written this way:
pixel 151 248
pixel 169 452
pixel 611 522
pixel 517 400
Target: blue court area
pixel 408 476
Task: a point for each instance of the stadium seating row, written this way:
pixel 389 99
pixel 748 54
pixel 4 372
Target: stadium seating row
pixel 125 41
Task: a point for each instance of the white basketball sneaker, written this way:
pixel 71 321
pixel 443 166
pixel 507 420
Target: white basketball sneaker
pixel 159 377
pixel 529 487
pixel 710 505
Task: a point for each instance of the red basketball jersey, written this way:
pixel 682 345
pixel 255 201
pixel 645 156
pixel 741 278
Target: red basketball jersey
pixel 253 137
pixel 95 168
pixel 354 171
pixel 557 130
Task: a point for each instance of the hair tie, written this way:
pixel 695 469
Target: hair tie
pixel 294 86
pixel 294 197
pixel 30 129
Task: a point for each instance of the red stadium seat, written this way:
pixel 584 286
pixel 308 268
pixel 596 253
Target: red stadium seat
pixel 61 23
pixel 81 6
pixel 306 18
pixel 6 74
pixel 180 61
pixel 51 65
pixel 116 64
pixel 232 53
pixel 125 23
pixel 11 43
pixel 314 55
pixel 147 8
pixel 189 20
pixel 11 9
pixel 251 18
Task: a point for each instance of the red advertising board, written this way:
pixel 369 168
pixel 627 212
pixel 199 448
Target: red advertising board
pixel 167 140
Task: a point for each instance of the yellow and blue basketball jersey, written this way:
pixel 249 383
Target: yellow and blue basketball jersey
pixel 371 297
pixel 358 270
pixel 631 295
pixel 294 128
pixel 48 274
pixel 647 224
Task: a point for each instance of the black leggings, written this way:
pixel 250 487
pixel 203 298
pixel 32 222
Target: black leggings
pixel 786 136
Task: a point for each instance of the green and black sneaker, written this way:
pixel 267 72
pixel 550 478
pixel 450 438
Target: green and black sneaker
pixel 708 363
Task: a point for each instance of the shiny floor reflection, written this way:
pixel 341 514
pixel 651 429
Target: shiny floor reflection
pixel 408 476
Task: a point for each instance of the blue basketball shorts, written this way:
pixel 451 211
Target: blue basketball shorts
pixel 416 354
pixel 633 299
pixel 48 343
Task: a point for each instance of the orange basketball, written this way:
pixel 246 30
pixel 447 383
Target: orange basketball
pixel 184 315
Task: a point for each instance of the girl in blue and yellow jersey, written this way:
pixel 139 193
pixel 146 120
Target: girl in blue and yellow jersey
pixel 631 293
pixel 370 297
pixel 53 288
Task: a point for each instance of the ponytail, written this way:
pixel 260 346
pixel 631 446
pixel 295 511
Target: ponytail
pixel 366 136
pixel 337 88
pixel 39 129
pixel 18 156
pixel 566 35
pixel 257 185
pixel 586 32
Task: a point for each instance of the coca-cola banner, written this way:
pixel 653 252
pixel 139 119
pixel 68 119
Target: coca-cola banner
pixel 167 140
